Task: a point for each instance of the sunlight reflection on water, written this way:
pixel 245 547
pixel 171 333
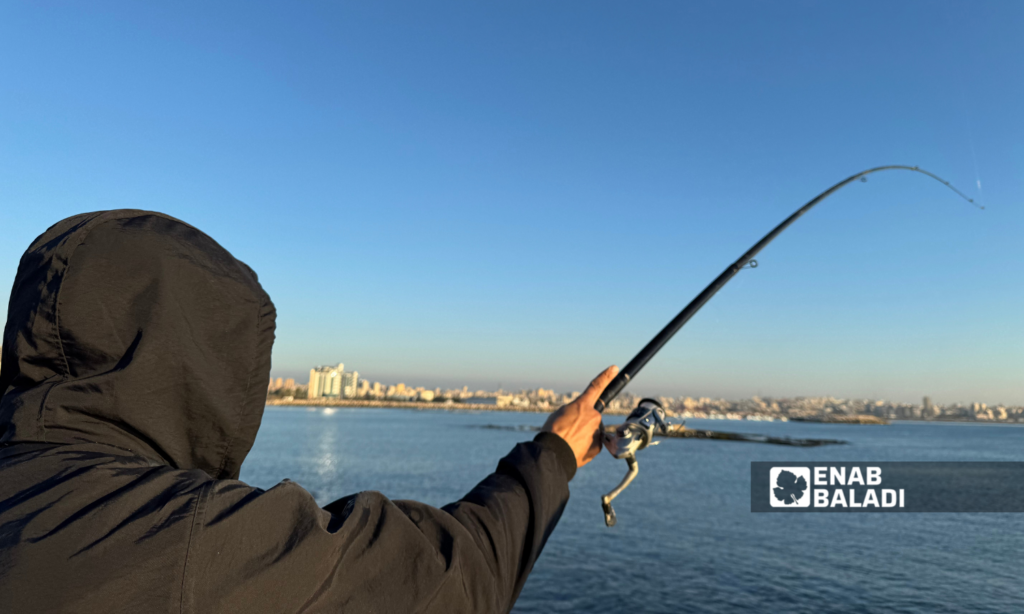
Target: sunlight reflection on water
pixel 685 528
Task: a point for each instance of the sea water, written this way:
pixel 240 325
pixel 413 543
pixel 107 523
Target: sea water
pixel 686 540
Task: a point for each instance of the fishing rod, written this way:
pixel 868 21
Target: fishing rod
pixel 648 418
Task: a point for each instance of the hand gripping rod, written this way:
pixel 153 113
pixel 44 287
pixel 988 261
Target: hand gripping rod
pixel 652 348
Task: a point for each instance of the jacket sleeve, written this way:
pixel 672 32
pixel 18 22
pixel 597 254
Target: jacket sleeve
pixel 277 551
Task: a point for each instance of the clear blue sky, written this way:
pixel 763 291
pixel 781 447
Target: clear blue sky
pixel 525 192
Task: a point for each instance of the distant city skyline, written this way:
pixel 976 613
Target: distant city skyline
pixel 524 193
pixel 333 385
pixel 351 384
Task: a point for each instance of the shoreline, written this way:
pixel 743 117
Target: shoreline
pixel 378 404
pixel 532 409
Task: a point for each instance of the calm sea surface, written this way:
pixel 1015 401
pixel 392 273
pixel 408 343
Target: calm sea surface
pixel 686 540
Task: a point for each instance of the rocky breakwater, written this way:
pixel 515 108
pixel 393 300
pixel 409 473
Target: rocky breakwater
pixel 680 431
pixel 841 419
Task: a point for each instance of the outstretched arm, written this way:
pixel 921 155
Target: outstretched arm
pixel 277 551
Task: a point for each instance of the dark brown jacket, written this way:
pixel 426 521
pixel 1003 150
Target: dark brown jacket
pixel 135 363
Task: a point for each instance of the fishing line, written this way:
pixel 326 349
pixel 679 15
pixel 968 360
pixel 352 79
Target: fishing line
pixel 974 155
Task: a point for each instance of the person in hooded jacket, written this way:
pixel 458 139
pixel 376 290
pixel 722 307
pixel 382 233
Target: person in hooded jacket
pixel 135 363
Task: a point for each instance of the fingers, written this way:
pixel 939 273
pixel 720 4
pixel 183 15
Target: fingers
pixel 596 387
pixel 595 447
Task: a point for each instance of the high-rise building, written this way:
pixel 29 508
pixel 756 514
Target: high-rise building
pixel 289 383
pixel 325 381
pixel 333 381
pixel 928 409
pixel 349 382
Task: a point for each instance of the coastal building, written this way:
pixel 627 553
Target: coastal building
pixel 928 409
pixel 325 381
pixel 281 383
pixel 333 381
pixel 349 384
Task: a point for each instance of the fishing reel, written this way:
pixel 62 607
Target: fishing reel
pixel 633 435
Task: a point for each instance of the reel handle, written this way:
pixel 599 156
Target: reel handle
pixel 606 501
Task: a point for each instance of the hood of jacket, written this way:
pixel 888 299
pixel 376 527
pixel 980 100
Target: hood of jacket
pixel 135 330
